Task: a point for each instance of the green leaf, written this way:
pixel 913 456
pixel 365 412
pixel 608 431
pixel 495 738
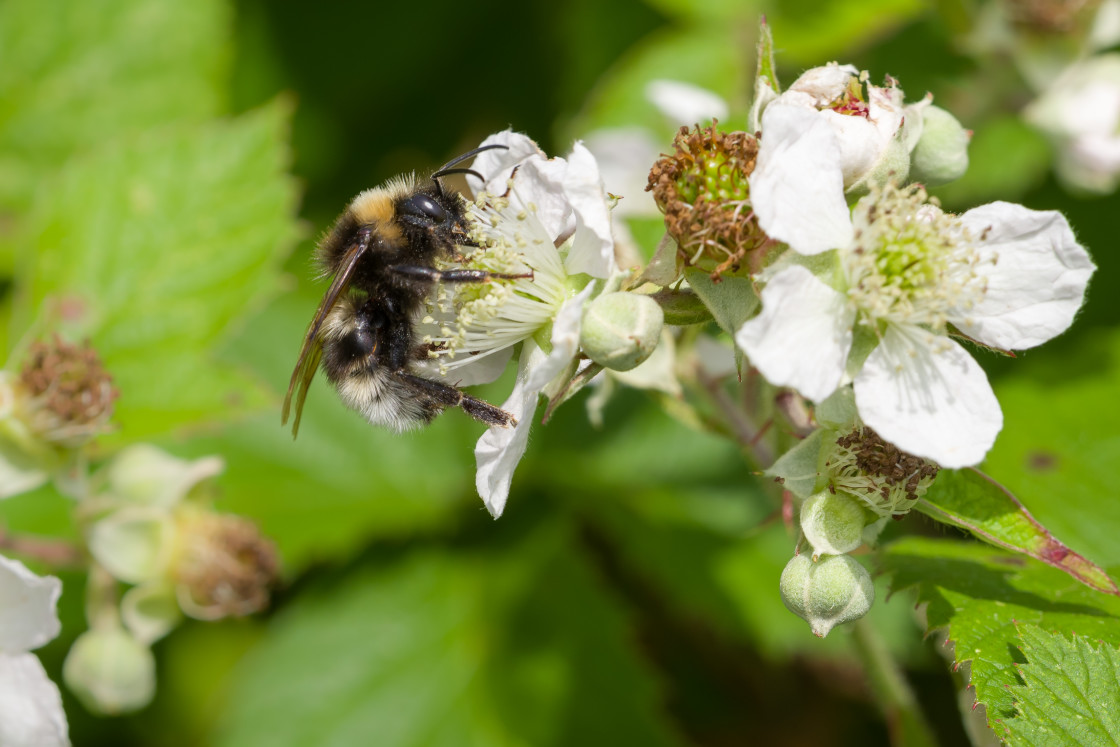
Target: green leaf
pixel 1059 446
pixel 971 500
pixel 732 300
pixel 1006 159
pixel 74 74
pixel 979 594
pixel 155 248
pixel 708 57
pixel 513 647
pixel 1069 691
pixel 324 495
pixel 807 32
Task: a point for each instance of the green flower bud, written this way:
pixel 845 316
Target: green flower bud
pixel 110 671
pixel 941 154
pixel 835 590
pixel 833 523
pixel 621 330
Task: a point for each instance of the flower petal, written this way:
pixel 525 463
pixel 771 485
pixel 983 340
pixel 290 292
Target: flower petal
pixel 684 103
pixel 803 335
pixel 925 394
pixel 500 449
pixel 31 712
pixel 1036 283
pixel 592 250
pixel 28 617
pixel 496 165
pixel 797 188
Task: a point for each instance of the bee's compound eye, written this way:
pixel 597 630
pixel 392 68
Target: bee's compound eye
pixel 423 206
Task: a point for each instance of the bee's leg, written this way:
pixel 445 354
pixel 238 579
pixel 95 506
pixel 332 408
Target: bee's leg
pixel 455 276
pixel 449 396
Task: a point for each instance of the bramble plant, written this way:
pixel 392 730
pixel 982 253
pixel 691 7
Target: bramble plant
pixel 821 292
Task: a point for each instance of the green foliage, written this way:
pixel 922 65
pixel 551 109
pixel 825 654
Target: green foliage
pixel 1069 691
pixel 971 500
pixel 1006 159
pixel 1060 446
pixel 979 596
pixel 517 646
pixel 75 74
pixel 153 248
pixel 342 482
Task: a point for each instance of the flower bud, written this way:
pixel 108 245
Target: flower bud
pixel 835 590
pixel 833 523
pixel 621 330
pixel 110 671
pixel 941 154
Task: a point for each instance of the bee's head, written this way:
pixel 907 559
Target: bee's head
pixel 438 216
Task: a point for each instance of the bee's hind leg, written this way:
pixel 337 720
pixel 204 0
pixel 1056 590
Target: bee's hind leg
pixel 448 396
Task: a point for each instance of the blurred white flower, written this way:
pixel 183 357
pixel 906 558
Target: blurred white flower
pixel 546 216
pixel 684 103
pixel 905 271
pixel 1080 112
pixel 31 712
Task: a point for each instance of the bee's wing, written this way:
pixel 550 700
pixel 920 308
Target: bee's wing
pixel 312 351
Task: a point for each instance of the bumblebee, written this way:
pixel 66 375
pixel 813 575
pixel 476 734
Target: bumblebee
pixel 382 254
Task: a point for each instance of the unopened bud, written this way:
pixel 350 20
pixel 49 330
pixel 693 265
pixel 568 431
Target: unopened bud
pixel 110 671
pixel 832 523
pixel 621 330
pixel 834 590
pixel 941 154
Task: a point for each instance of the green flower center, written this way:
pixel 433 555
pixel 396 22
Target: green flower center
pixel 718 176
pixel 910 263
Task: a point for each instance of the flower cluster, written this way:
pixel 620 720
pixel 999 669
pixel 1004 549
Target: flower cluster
pixel 820 253
pixel 146 522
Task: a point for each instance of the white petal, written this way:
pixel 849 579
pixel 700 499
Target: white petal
pixel 803 335
pixel 860 144
pixel 797 188
pixel 825 83
pixel 926 395
pixel 684 103
pixel 500 449
pixel 592 250
pixel 150 611
pixel 1037 283
pixel 31 712
pixel 539 187
pixel 133 543
pixel 148 475
pixel 496 165
pixel 28 618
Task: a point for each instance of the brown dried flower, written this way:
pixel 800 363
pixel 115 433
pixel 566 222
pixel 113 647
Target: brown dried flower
pixel 703 190
pixel 225 566
pixel 71 395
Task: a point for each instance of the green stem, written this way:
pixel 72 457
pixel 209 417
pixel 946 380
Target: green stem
pixel 905 721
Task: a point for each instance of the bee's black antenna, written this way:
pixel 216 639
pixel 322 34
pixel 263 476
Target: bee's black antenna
pixel 445 172
pixel 469 154
pixel 446 169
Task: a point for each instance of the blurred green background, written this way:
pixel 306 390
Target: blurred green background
pixel 164 171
